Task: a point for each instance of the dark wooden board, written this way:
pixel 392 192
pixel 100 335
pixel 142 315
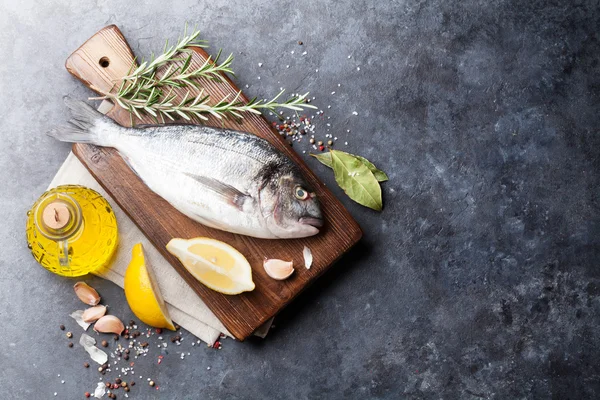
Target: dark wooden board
pixel 160 222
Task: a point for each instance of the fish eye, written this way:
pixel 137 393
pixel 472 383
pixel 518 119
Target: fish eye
pixel 300 193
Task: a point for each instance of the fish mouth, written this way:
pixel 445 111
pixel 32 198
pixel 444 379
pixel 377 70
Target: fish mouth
pixel 312 221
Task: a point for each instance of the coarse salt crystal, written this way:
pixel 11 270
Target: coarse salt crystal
pixel 350 56
pixel 304 53
pixel 316 70
pixel 358 68
pixel 354 113
pixel 260 64
pixel 292 51
pixel 346 143
pixel 287 66
pixel 259 78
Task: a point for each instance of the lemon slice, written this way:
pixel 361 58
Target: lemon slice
pixel 215 264
pixel 143 294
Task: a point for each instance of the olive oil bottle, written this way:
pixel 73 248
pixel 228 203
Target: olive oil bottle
pixel 72 230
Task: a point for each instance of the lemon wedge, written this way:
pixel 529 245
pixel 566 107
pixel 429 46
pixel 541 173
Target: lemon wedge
pixel 143 294
pixel 215 264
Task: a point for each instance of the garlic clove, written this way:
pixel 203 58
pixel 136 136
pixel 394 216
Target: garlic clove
pixel 278 269
pixel 308 258
pixel 109 324
pixel 93 314
pixel 86 293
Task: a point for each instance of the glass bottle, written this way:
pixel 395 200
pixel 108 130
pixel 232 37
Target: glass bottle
pixel 72 230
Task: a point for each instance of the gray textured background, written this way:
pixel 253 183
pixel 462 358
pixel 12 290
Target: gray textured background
pixel 479 279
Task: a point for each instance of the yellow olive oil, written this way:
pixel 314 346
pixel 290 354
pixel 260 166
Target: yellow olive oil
pixel 72 230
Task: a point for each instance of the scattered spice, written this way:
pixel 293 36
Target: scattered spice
pixel 151 383
pixel 104 343
pixel 70 344
pixel 62 327
pixel 86 364
pixel 69 335
pixel 300 42
pixel 87 394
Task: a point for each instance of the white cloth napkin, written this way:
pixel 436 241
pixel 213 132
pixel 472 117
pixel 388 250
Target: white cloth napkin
pixel 184 305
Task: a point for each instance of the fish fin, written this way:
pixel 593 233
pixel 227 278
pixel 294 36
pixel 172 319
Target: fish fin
pixel 128 162
pixel 227 192
pixel 84 124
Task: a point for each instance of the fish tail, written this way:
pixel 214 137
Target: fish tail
pixel 86 125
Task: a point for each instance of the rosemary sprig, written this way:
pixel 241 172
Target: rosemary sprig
pixel 142 91
pixel 168 54
pixel 198 106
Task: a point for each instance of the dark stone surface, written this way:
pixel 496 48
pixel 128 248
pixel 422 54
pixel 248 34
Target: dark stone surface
pixel 479 279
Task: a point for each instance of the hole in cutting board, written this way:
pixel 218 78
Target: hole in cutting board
pixel 104 62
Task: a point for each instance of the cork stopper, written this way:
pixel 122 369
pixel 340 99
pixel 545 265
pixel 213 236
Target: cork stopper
pixel 56 215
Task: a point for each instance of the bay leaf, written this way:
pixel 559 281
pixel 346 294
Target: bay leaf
pixel 325 159
pixel 356 179
pixel 379 174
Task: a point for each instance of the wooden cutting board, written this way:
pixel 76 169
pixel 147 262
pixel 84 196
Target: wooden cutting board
pixel 100 63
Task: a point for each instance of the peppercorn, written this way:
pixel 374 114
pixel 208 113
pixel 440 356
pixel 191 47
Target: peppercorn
pixel 87 394
pixel 100 369
pixel 62 327
pixel 177 327
pixel 104 343
pixel 300 42
pixel 127 351
pixel 108 384
pixel 123 384
pixel 116 337
pixel 302 132
pixel 175 338
pixel 69 335
pixel 312 141
pixel 70 344
pixel 144 344
pixel 151 383
pixel 131 322
pixel 115 386
pixel 321 148
pixel 330 142
pixel 125 357
pixel 86 364
pixel 320 143
pixel 126 336
pixel 126 389
pixel 132 383
pixel 118 380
